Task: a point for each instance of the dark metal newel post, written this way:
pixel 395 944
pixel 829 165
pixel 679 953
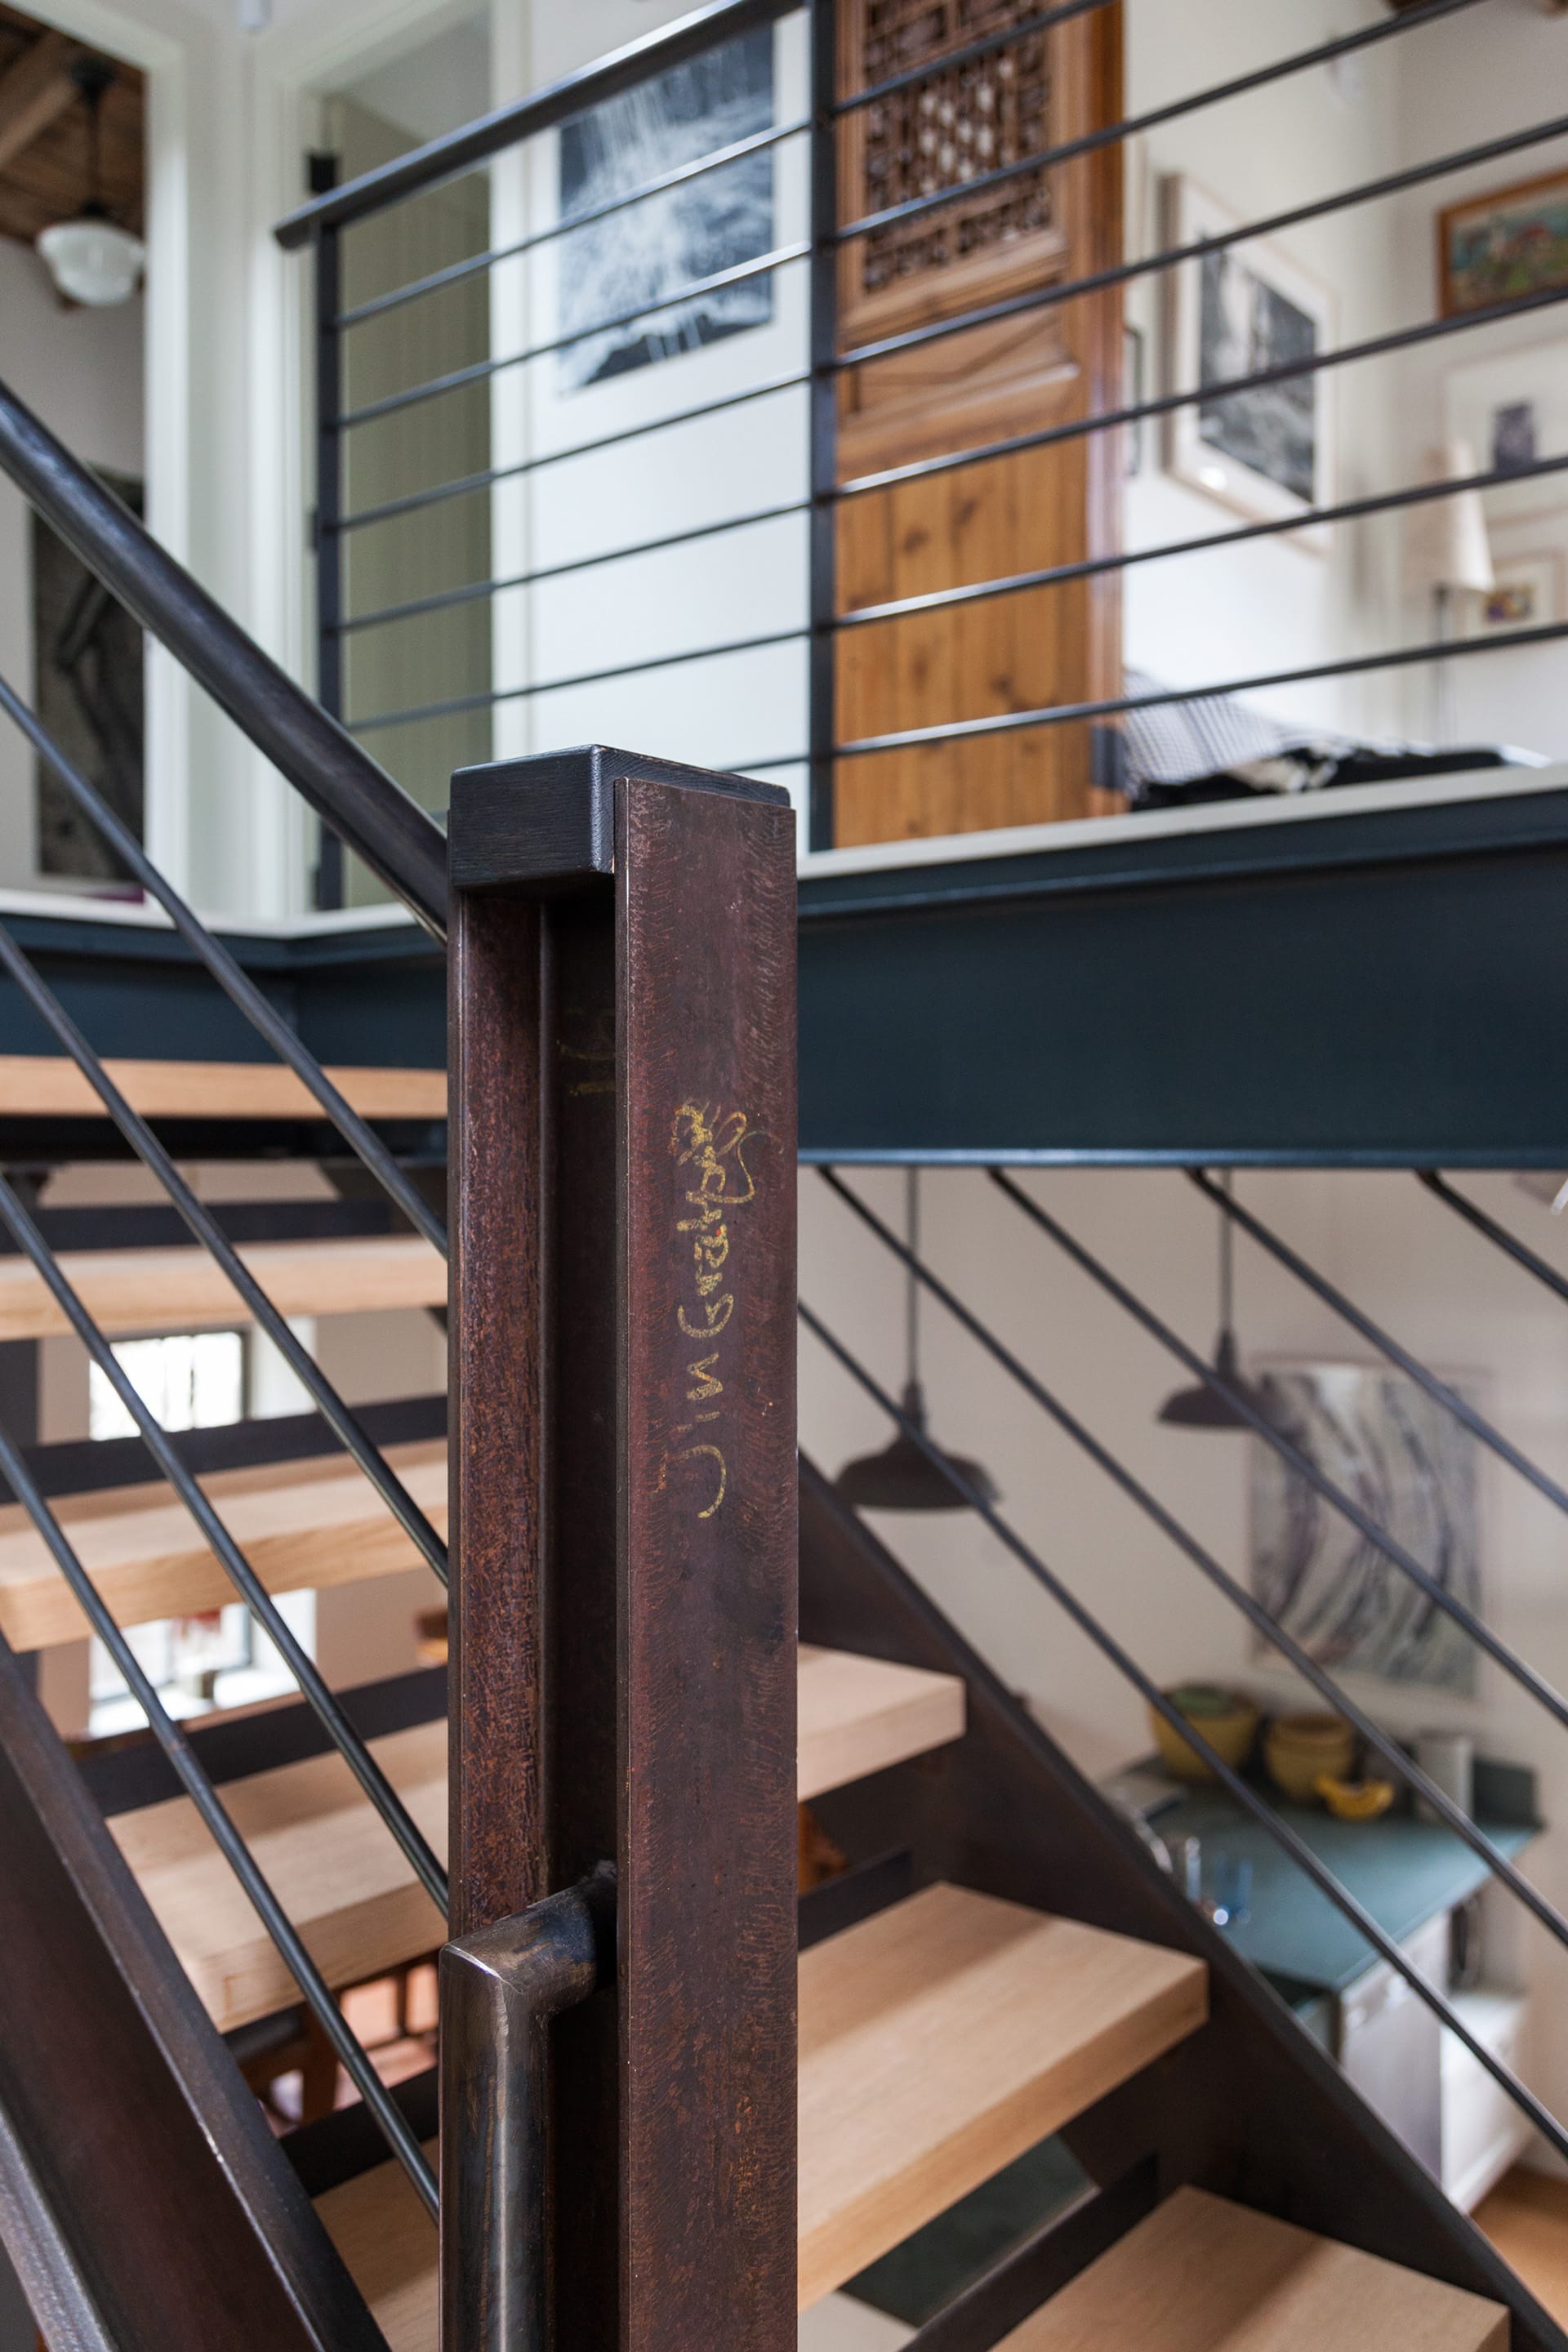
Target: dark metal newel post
pixel 822 697
pixel 623 1671
pixel 328 539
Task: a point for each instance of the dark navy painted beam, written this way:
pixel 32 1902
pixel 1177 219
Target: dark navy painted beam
pixel 1371 989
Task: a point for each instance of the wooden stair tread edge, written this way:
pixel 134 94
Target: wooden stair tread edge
pixel 388 2242
pixel 44 1085
pixel 858 1716
pixel 1201 2274
pixel 184 1290
pixel 342 1880
pixel 941 2039
pixel 312 1523
pixel 336 1869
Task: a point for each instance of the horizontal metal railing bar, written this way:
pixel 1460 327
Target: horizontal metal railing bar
pixel 1257 1616
pixel 543 109
pixel 333 774
pixel 1363 192
pixel 961 322
pixel 1438 1390
pixel 936 600
pixel 235 983
pixel 1007 722
pixel 1498 1235
pixel 466 484
pixel 559 685
pixel 193 1779
pixel 1517 1668
pixel 1133 126
pixel 476 591
pixel 1105 420
pixel 1006 37
pixel 756 143
pixel 1023 166
pixel 481 370
pixel 231 1558
pixel 199 1219
pixel 1285 1837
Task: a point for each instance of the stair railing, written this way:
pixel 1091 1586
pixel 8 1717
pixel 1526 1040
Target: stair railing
pixel 1399 1762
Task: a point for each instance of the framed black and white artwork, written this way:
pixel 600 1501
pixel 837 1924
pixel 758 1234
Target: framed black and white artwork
pixel 619 269
pixel 1413 1469
pixel 1237 312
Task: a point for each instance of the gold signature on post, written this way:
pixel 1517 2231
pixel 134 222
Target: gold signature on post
pixel 709 1143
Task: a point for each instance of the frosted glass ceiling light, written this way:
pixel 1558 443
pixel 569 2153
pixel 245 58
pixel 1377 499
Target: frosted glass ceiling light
pixel 92 259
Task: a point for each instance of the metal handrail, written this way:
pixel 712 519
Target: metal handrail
pixel 1438 1390
pixel 1418 1782
pixel 395 838
pixel 543 110
pixel 204 1796
pixel 1246 1409
pixel 235 983
pixel 1190 1734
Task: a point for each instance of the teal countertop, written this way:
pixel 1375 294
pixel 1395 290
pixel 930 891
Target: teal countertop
pixel 1402 1870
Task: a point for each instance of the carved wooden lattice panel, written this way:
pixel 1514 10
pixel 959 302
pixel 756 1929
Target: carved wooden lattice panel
pixel 954 124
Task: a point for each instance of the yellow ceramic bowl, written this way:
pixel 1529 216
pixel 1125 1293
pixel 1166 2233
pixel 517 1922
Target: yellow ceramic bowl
pixel 1227 1720
pixel 1298 1749
pixel 1355 1801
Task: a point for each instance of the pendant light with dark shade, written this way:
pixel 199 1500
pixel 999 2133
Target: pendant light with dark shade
pixel 1203 1407
pixel 903 1477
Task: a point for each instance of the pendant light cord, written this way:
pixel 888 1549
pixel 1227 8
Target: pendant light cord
pixel 1227 1256
pixel 912 1294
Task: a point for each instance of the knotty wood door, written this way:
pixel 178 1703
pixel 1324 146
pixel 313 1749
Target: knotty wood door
pixel 1046 646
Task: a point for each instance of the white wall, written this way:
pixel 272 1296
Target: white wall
pixel 81 371
pixel 1474 77
pixel 1274 605
pixel 1406 1260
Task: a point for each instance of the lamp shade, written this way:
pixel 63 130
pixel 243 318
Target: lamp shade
pixel 903 1477
pixel 93 260
pixel 1445 542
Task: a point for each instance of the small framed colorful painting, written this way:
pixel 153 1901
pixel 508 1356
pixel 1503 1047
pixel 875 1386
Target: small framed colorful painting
pixel 1500 247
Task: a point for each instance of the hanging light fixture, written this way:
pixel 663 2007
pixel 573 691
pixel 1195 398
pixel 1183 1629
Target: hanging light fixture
pixel 903 1477
pixel 91 258
pixel 1203 1407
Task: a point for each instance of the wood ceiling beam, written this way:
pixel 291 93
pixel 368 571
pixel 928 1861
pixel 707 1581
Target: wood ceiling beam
pixel 34 91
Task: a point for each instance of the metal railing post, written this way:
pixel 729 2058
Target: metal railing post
pixel 622 1667
pixel 822 397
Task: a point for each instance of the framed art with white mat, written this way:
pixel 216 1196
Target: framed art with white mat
pixel 1267 453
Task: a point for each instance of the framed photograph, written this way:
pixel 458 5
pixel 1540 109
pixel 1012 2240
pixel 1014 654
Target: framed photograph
pixel 1495 248
pixel 1511 409
pixel 1268 452
pixel 1529 558
pixel 716 222
pixel 1413 1469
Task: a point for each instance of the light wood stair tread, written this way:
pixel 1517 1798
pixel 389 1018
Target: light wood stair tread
pixel 945 2036
pixel 300 1523
pixel 1202 2275
pixel 344 1882
pixel 331 1863
pixel 856 1715
pixel 184 1290
pixel 388 2242
pixel 938 2041
pixel 46 1086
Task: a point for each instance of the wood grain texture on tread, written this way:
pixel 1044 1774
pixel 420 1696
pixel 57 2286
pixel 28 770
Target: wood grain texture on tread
pixel 327 1857
pixel 941 2039
pixel 388 2242
pixel 938 2041
pixel 47 1086
pixel 300 1524
pixel 340 1878
pixel 1201 2275
pixel 856 1715
pixel 184 1290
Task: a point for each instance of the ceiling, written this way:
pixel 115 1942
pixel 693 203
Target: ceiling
pixel 45 166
